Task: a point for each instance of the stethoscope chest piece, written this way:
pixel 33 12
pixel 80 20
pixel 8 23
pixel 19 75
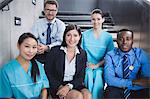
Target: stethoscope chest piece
pixel 131 67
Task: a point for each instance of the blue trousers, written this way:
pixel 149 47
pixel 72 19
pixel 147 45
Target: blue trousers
pixel 94 82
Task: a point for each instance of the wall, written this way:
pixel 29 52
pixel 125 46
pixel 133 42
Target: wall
pixel 84 6
pixel 28 13
pixel 5 29
pixel 131 14
pixel 145 26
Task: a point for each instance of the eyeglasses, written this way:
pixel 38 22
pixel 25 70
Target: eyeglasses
pixel 50 10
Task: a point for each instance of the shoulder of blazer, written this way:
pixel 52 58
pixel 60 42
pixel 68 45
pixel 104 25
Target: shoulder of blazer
pixel 83 52
pixel 82 55
pixel 55 48
pixel 56 51
pixel 53 51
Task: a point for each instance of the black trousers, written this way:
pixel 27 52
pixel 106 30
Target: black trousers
pixel 114 92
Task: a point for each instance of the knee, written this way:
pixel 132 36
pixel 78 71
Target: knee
pixel 75 95
pixel 98 75
pixel 86 94
pixel 79 96
pixel 89 71
pixel 99 72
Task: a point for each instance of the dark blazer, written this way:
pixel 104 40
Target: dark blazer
pixel 55 67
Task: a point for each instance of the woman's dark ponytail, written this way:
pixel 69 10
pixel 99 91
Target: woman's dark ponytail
pixel 34 70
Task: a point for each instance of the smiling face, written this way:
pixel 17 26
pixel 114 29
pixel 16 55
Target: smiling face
pixel 125 41
pixel 97 20
pixel 50 11
pixel 28 48
pixel 72 38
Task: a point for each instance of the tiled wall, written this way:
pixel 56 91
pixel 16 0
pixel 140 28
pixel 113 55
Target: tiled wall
pixel 9 32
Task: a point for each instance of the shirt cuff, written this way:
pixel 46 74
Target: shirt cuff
pixel 70 85
pixel 130 85
pixel 49 48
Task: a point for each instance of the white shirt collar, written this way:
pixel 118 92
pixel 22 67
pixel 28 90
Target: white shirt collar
pixel 52 22
pixel 65 50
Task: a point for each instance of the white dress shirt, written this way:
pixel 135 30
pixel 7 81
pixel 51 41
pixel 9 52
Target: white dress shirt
pixel 70 68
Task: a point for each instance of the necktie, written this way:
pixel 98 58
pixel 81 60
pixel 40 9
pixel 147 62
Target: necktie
pixel 126 72
pixel 48 40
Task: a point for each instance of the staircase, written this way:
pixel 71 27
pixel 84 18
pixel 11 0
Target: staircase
pixel 83 20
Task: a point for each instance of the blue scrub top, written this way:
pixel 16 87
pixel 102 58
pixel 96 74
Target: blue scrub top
pixel 16 83
pixel 96 48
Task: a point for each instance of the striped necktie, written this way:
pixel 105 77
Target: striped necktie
pixel 48 40
pixel 126 72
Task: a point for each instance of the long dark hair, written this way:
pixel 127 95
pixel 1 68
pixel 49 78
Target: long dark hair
pixel 68 28
pixel 34 69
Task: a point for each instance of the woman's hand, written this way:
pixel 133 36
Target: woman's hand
pixel 44 93
pixel 63 91
pixel 92 66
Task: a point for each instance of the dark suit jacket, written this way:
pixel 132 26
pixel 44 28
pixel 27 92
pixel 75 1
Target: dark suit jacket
pixel 55 67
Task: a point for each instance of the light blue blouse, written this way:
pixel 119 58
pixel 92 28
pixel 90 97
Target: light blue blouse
pixel 16 83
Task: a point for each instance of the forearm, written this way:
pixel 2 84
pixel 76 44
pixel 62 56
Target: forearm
pixel 55 44
pixel 118 82
pixel 100 64
pixel 76 83
pixel 141 82
pixel 78 80
pixel 113 80
pixel 44 93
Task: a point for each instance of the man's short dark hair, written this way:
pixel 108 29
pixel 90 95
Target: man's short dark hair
pixel 51 2
pixel 122 30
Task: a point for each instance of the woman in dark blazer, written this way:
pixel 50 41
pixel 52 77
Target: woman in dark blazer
pixel 65 67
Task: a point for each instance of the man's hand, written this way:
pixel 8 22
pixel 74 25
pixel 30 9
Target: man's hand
pixel 41 48
pixel 142 82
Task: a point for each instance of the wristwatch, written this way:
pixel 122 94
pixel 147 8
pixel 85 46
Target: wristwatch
pixel 70 86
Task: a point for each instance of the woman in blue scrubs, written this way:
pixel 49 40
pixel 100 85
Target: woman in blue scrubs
pixel 24 77
pixel 96 42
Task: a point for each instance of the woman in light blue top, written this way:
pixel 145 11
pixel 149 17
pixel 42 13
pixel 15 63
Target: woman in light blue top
pixel 96 42
pixel 24 77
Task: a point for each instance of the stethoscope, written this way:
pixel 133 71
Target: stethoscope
pixel 44 33
pixel 131 66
